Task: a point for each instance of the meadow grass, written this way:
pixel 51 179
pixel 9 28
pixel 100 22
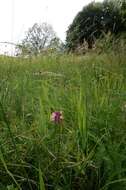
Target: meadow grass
pixel 86 151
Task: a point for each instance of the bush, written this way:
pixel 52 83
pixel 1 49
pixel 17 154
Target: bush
pixel 93 22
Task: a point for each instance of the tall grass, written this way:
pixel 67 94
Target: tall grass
pixel 87 149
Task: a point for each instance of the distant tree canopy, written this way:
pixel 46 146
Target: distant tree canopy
pixel 94 21
pixel 39 38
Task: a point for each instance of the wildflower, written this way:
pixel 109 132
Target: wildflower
pixel 56 116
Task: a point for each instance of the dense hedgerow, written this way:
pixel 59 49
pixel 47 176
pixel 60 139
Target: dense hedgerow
pixel 94 21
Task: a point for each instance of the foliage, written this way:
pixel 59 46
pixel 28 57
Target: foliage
pixel 38 38
pixel 93 21
pixel 87 149
pixel 111 43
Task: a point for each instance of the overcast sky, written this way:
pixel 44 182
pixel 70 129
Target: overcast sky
pixel 16 16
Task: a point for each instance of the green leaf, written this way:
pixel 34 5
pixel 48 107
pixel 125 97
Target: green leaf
pixel 41 181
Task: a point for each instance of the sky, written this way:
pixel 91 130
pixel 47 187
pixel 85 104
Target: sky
pixel 16 16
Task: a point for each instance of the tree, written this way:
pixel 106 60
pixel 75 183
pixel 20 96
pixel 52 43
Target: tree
pixel 93 22
pixel 57 45
pixel 38 38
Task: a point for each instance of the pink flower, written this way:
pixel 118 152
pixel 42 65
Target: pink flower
pixel 56 116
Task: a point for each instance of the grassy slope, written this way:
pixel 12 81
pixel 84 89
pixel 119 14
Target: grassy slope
pixel 87 151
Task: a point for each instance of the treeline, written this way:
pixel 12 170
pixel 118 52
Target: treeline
pixel 96 21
